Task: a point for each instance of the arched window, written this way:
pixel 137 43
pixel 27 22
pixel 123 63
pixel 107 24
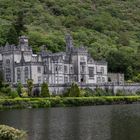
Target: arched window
pixel 8 74
pixel 26 71
pixel 7 61
pixel 18 75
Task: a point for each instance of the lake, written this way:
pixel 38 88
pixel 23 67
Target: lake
pixel 112 122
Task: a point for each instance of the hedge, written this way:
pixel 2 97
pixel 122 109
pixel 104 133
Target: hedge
pixel 66 101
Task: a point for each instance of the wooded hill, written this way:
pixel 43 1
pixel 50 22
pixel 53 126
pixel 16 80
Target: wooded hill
pixel 109 28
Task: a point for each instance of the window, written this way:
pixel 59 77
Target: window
pixel 65 79
pixel 82 59
pixel 39 79
pixel 103 80
pixel 98 79
pixel 46 69
pixel 8 74
pixel 56 67
pixel 60 67
pixel 102 70
pixel 65 69
pixel 82 69
pixel 18 75
pixel 71 69
pixel 91 71
pixel 39 69
pixel 7 61
pixel 26 73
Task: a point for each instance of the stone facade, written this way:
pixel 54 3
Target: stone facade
pixel 116 78
pixel 74 65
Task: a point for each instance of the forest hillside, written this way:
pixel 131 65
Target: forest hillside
pixel 110 29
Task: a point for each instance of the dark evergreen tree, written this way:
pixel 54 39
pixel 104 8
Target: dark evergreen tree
pixel 45 90
pixel 74 90
pixel 19 23
pixel 1 79
pixel 12 36
pixel 30 86
pixel 19 88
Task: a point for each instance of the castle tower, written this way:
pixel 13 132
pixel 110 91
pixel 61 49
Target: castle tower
pixel 23 42
pixel 69 42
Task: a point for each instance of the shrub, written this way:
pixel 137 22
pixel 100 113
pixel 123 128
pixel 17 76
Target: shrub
pixel 9 133
pixel 74 90
pixel 120 93
pixel 100 92
pixel 14 94
pixel 138 93
pixel 30 86
pixel 89 92
pixel 24 92
pixel 6 90
pixel 19 89
pixel 44 103
pixel 45 90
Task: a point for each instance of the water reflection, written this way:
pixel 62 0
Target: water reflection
pixel 118 122
pixel 125 122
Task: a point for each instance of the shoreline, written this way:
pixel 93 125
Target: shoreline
pixel 23 103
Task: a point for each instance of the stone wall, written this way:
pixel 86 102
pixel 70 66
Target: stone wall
pixel 127 88
pixel 57 89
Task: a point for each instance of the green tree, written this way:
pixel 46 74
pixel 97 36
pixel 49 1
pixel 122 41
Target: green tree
pixel 123 39
pixel 74 90
pixel 119 61
pixel 30 86
pixel 12 36
pixel 129 72
pixel 45 90
pixel 137 78
pixel 1 79
pixel 19 23
pixel 14 94
pixel 19 88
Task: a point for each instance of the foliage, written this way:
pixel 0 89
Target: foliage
pixel 6 90
pixel 9 133
pixel 30 86
pixel 19 88
pixel 24 92
pixel 110 28
pixel 45 90
pixel 73 91
pixel 67 101
pixel 120 93
pixel 137 78
pixel 1 79
pixel 89 92
pixel 14 94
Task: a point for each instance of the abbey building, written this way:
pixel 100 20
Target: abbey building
pixel 18 64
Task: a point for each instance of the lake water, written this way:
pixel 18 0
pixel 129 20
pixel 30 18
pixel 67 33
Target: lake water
pixel 114 122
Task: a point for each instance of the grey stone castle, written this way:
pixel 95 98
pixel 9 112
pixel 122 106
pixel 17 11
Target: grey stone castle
pixel 18 64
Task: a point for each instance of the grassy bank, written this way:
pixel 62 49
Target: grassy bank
pixel 67 101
